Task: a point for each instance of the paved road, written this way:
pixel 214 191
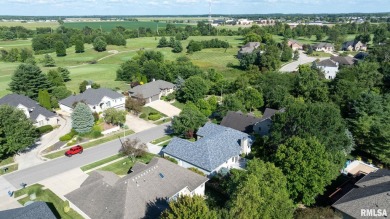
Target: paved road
pixel 50 168
pixel 303 59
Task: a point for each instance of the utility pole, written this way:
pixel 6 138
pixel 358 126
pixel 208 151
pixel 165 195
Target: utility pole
pixel 157 29
pixel 138 31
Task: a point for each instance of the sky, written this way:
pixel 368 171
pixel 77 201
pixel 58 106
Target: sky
pixel 187 7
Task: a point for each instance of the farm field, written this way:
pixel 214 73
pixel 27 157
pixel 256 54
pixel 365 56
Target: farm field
pixel 29 25
pixel 108 25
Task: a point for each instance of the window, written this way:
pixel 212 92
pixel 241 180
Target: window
pixel 108 104
pixel 40 122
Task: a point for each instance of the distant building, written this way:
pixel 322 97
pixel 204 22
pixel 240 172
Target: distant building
pixel 244 22
pixel 324 47
pixel 81 19
pixel 98 100
pixel 295 45
pixel 37 114
pixel 152 91
pixel 354 45
pixel 247 49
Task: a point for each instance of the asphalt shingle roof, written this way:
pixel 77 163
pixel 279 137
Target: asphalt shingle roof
pixel 327 63
pixel 343 60
pixel 240 121
pixel 34 210
pixel 33 106
pixel 142 193
pixel 322 45
pixel 249 47
pixel 217 145
pixel 91 96
pixel 151 89
pixel 373 193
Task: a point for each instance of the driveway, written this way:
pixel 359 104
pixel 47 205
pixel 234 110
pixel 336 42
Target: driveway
pixel 303 59
pixel 7 202
pixel 30 157
pixel 165 108
pixel 136 124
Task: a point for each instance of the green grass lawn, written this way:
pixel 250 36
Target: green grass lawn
pixel 11 168
pixel 6 71
pixel 178 105
pixel 162 121
pixel 8 44
pixel 147 110
pixel 108 25
pixel 159 140
pixel 6 161
pixel 55 203
pixel 92 143
pixel 165 143
pixel 320 54
pixel 123 166
pixel 101 162
pixel 30 25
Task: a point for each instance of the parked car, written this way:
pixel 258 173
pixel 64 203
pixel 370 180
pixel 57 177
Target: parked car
pixel 74 150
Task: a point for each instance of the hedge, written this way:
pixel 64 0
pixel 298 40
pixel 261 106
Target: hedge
pixel 154 117
pixel 143 116
pixel 68 136
pixel 45 129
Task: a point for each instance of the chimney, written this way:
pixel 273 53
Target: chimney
pixel 244 143
pixel 88 86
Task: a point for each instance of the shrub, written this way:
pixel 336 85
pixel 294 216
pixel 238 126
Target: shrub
pixel 66 137
pixel 154 117
pixel 170 96
pixel 45 129
pixel 95 116
pixel 143 116
pixel 173 160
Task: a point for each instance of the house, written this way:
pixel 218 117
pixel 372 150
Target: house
pixel 34 210
pixel 295 45
pixel 324 47
pixel 217 147
pixel 356 167
pixel 248 123
pixel 247 49
pixel 38 115
pixel 354 45
pixel 361 56
pixel 343 60
pixel 328 66
pixel 98 100
pixel 143 193
pixel 369 199
pixel 152 91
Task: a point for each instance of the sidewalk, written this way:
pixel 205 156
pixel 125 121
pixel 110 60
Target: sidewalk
pixel 7 202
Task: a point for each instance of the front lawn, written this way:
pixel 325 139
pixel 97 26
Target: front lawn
pixel 101 162
pixel 148 113
pixel 56 204
pixel 178 105
pixel 11 168
pixel 162 139
pixel 6 161
pixel 123 166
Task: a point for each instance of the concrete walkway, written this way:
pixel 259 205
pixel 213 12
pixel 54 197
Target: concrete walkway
pixel 7 202
pixel 303 59
pixel 137 124
pixel 31 156
pixel 164 107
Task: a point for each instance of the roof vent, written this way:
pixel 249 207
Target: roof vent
pixel 161 175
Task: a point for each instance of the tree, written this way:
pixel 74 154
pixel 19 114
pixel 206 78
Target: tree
pixel 48 61
pixel 310 50
pixel 16 131
pixel 83 86
pixel 177 47
pixel 252 37
pixel 55 78
pixel 133 148
pixel 64 73
pixel 128 70
pixel 248 59
pixel 25 54
pixel 60 92
pixel 286 54
pixel 185 207
pixel 99 44
pixel 189 119
pixel 259 192
pixel 230 102
pixel 194 89
pixel 115 116
pixel 296 55
pixel 194 46
pixel 82 118
pixel 307 166
pixel 251 98
pixel 134 104
pixel 319 36
pixel 44 99
pixel 204 107
pixel 163 42
pixel 270 59
pixel 28 80
pixel 60 49
pixel 172 42
pixel 309 86
pixel 79 46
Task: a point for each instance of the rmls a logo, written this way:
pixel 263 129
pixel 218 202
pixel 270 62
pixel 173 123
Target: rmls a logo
pixel 373 213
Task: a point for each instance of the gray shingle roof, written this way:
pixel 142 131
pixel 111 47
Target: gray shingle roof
pixel 240 121
pixel 343 60
pixel 217 145
pixel 140 194
pixel 373 193
pixel 34 210
pixel 33 106
pixel 151 89
pixel 91 96
pixel 327 63
pixel 249 47
pixel 322 45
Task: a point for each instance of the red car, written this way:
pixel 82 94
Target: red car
pixel 74 150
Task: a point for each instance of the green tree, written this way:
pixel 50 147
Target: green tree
pixel 251 98
pixel 251 37
pixel 55 78
pixel 60 92
pixel 16 131
pixel 177 47
pixel 48 61
pixel 65 74
pixel 115 116
pixel 189 119
pixel 60 49
pixel 296 55
pixel 82 118
pixel 186 207
pixel 79 46
pixel 309 86
pixel 204 107
pixel 270 59
pixel 44 99
pixel 259 192
pixel 230 102
pixel 25 54
pixel 307 166
pixel 172 42
pixel 248 59
pixel 28 80
pixel 163 42
pixel 194 89
pixel 287 54
pixel 99 44
pixel 319 36
pixel 83 86
pixel 128 70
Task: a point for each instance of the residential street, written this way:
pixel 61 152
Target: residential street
pixel 303 59
pixel 31 158
pixel 50 168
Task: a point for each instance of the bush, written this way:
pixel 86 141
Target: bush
pixel 45 129
pixel 154 117
pixel 66 137
pixel 95 116
pixel 143 116
pixel 173 160
pixel 170 96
